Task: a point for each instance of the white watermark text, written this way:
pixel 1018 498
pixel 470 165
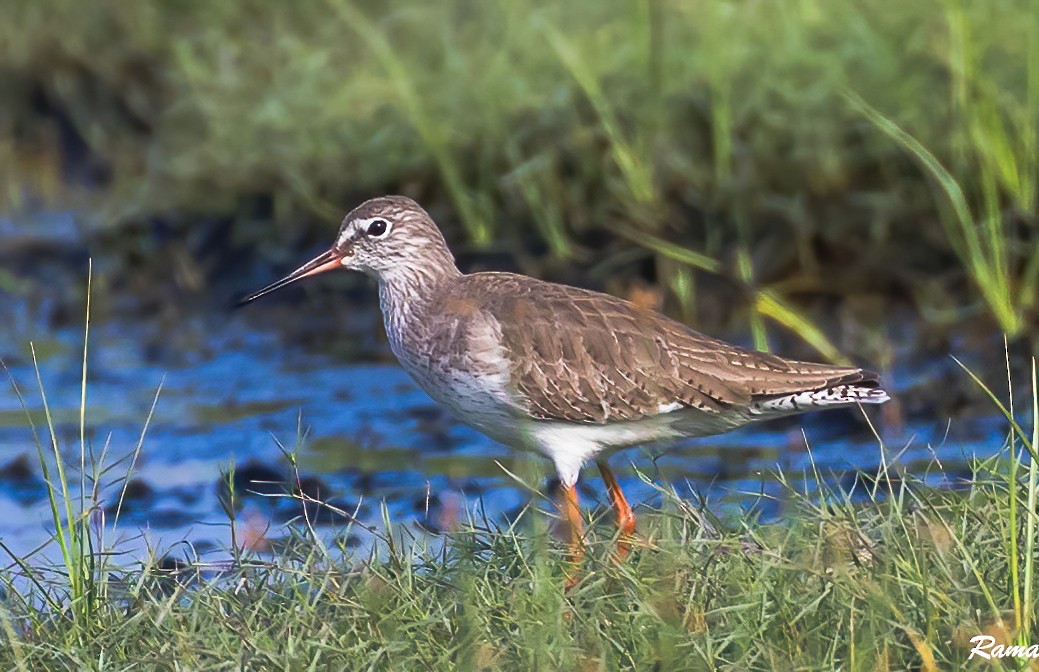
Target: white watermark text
pixel 985 647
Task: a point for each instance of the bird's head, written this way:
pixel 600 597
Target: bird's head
pixel 382 238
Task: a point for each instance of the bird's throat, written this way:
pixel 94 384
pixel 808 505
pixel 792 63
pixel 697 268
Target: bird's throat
pixel 405 297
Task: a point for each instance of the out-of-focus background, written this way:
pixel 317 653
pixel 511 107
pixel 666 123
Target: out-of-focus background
pixel 834 180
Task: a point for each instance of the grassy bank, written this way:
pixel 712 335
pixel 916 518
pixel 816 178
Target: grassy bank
pixel 902 583
pixel 900 576
pixel 781 150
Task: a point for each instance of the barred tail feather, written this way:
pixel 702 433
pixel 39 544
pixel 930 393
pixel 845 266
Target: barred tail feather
pixel 836 396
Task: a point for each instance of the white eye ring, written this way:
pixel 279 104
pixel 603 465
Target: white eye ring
pixel 377 227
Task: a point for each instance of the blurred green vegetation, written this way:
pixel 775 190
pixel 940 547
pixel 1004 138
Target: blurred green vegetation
pixel 825 147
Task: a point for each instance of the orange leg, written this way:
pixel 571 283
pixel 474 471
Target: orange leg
pixel 572 512
pixel 625 517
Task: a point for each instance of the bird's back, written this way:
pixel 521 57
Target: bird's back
pixel 555 352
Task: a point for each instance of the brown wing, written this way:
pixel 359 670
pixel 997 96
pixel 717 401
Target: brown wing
pixel 582 356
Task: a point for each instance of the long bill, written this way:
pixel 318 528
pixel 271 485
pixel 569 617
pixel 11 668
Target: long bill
pixel 327 261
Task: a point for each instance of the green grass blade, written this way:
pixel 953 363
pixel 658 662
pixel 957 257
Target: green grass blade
pixel 667 249
pixel 1022 436
pixel 1029 603
pixel 477 225
pixel 985 266
pixel 63 525
pixel 769 304
pixel 637 173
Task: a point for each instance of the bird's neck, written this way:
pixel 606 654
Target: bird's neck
pixel 405 293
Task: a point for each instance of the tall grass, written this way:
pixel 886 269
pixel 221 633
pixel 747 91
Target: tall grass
pixel 895 583
pixel 993 138
pixel 717 133
pixel 1025 599
pixel 983 246
pixel 71 510
pixel 475 219
pixel 76 509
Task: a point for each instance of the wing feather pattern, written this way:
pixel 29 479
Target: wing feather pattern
pixel 581 356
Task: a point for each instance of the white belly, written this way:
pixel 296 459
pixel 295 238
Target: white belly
pixel 478 401
pixel 464 368
pixel 571 444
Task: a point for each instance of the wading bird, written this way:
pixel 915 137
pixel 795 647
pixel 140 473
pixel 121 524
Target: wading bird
pixel 569 373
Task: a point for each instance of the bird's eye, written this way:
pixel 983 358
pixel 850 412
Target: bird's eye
pixel 378 228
